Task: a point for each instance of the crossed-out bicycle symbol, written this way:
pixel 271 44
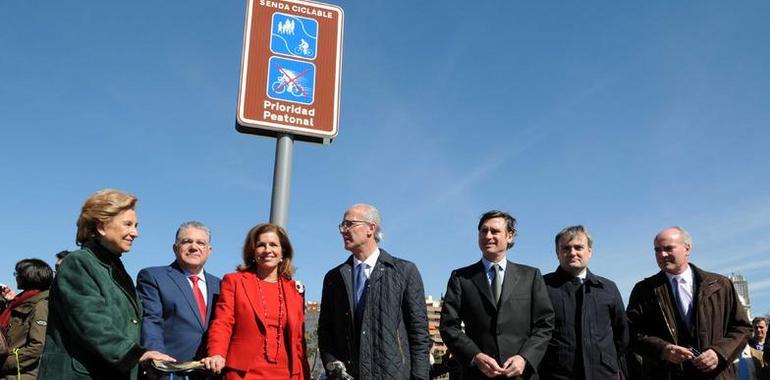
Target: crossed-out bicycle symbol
pixel 291 80
pixel 287 82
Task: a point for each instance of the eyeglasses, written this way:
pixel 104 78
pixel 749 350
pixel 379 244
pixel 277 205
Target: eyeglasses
pixel 346 225
pixel 200 243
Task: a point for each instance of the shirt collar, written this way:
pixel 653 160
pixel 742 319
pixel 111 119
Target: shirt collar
pixel 488 264
pixel 370 261
pixel 686 275
pixel 201 275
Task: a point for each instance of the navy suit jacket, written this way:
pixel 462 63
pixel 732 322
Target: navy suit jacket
pixel 172 322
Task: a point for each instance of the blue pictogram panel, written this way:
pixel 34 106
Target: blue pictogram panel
pixel 294 36
pixel 291 80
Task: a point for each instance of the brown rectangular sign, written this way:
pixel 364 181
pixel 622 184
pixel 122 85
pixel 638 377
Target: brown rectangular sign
pixel 290 70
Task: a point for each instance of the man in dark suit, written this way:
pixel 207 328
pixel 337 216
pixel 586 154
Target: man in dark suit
pixel 373 317
pixel 178 298
pixel 504 307
pixel 591 334
pixel 685 323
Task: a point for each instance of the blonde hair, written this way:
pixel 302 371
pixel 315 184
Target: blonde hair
pixel 100 208
pixel 250 246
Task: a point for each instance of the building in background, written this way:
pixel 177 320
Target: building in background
pixel 438 348
pixel 312 309
pixel 742 288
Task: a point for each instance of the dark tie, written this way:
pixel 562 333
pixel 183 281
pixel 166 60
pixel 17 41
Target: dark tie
pixel 683 306
pixel 497 282
pixel 199 298
pixel 360 281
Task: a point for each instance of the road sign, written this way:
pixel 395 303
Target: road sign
pixel 290 70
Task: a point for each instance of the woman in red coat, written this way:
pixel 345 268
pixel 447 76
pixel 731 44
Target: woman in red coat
pixel 258 328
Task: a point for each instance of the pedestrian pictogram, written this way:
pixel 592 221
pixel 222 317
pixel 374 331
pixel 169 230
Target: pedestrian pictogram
pixel 291 80
pixel 294 36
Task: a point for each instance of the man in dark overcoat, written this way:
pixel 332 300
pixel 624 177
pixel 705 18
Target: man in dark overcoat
pixel 591 333
pixel 685 323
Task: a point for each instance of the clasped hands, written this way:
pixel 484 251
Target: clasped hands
pixel 705 362
pixel 512 367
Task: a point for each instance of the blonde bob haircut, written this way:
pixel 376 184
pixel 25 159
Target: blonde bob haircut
pixel 250 247
pixel 100 208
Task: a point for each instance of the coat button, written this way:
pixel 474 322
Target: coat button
pixel 134 321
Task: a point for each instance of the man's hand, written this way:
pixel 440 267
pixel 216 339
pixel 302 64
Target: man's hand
pixel 676 354
pixel 487 365
pixel 514 366
pixel 155 355
pixel 214 363
pixel 707 361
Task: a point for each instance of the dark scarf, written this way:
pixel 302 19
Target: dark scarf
pixel 111 259
pixel 5 317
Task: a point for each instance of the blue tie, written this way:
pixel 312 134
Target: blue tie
pixel 360 281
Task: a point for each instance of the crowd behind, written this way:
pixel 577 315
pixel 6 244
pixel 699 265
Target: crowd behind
pixel 88 319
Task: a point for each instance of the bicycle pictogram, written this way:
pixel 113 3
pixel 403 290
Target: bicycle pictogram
pixel 294 36
pixel 303 48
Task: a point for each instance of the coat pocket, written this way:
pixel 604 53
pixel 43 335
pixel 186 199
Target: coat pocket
pixel 78 367
pixel 610 361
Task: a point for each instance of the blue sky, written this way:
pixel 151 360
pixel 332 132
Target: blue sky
pixel 625 117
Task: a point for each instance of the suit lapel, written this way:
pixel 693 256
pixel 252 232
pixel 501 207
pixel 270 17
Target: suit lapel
pixel 704 287
pixel 210 292
pixel 379 267
pixel 667 304
pixel 479 279
pixel 292 302
pixel 180 280
pixel 133 299
pixel 250 286
pixel 510 280
pixel 346 272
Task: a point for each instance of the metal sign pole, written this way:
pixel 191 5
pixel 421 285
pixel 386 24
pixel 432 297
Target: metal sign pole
pixel 279 207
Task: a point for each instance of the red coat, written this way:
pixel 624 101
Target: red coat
pixel 236 333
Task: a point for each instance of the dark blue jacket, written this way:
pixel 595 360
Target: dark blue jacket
pixel 393 341
pixel 598 332
pixel 172 323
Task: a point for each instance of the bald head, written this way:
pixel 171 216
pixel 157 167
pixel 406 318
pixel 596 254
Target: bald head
pixel 672 250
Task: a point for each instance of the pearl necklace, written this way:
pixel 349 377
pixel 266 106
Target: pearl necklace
pixel 279 329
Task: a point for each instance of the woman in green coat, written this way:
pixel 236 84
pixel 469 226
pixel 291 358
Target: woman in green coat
pixel 24 320
pixel 95 316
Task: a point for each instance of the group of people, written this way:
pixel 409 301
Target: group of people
pixel 499 318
